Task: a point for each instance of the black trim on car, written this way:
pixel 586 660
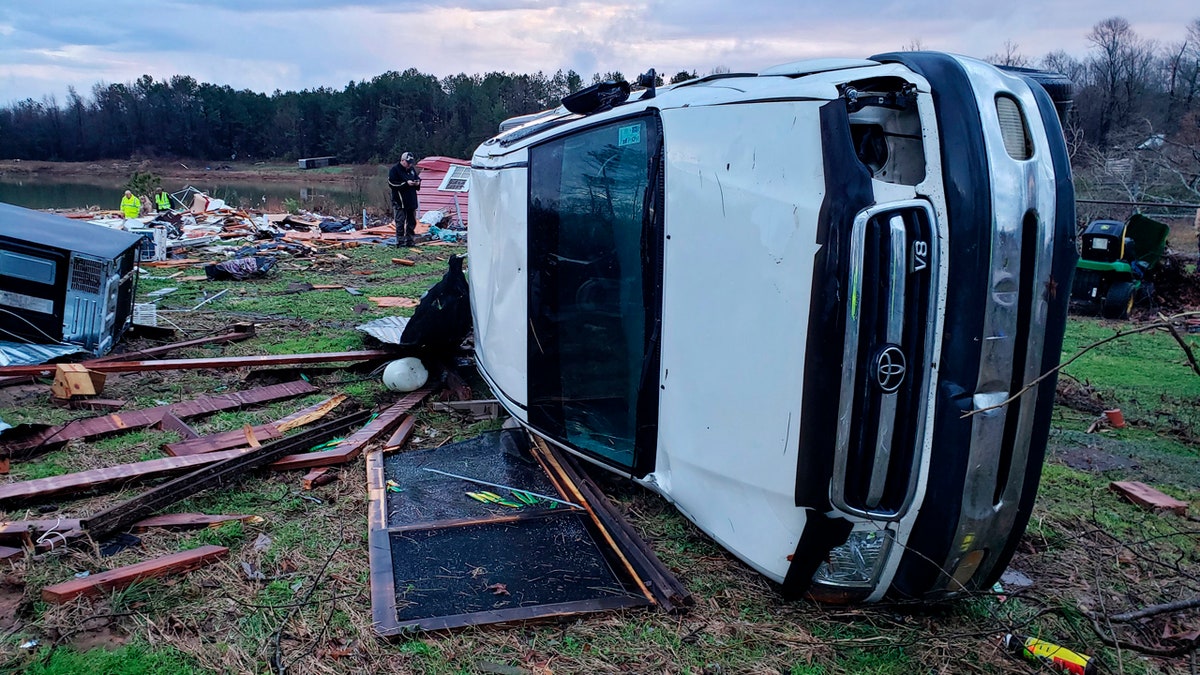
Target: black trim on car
pixel 848 190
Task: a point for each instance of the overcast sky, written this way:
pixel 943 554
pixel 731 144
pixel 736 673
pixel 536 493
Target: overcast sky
pixel 264 45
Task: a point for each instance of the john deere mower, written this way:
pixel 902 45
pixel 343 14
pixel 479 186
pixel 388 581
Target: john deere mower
pixel 1115 259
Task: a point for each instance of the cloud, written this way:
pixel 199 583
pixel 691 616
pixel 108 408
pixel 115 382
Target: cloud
pixel 266 45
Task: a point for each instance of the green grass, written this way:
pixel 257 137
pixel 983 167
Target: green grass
pixel 136 658
pixel 1146 374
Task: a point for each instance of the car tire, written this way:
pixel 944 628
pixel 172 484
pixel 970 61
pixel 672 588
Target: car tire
pixel 1058 86
pixel 1118 301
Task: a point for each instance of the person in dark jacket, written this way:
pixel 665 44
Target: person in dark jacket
pixel 405 182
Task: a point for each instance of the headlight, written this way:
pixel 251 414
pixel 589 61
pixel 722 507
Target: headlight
pixel 857 563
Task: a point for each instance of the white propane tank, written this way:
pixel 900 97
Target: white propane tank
pixel 406 374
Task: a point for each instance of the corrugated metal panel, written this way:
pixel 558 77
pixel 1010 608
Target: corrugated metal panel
pixel 430 198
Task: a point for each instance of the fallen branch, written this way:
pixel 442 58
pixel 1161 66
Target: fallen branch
pixel 1115 643
pixel 1154 610
pixel 1184 346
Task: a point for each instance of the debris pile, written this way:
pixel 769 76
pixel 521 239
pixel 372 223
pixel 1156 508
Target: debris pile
pixel 203 221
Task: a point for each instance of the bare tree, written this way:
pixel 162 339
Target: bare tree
pixel 1011 56
pixel 1121 69
pixel 1182 72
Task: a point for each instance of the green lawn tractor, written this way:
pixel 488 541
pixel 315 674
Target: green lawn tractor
pixel 1115 260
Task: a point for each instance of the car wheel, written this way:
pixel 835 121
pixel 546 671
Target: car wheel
pixel 1058 86
pixel 1118 301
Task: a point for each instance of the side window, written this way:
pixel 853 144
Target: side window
pixel 593 280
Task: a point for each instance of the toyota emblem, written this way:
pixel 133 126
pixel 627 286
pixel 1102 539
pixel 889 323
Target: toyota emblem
pixel 889 369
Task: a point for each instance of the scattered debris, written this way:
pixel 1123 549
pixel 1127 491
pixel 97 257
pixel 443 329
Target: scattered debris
pixel 122 577
pixel 52 437
pixel 391 302
pixel 1116 419
pixel 489 409
pixel 1059 658
pixel 216 362
pixel 240 269
pixel 426 541
pixel 218 468
pixel 388 329
pixel 349 449
pixel 318 477
pixel 406 374
pixel 1144 495
pixel 443 319
pixel 73 379
pixel 266 432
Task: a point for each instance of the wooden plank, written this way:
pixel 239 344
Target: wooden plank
pixel 348 450
pixel 318 477
pixel 100 403
pixel 224 440
pixel 390 301
pixel 240 332
pixel 379 549
pixel 215 362
pixel 243 361
pixel 10 553
pixel 93 427
pixel 122 577
pixel 71 483
pixel 670 593
pixel 187 521
pixel 652 575
pixel 170 422
pixel 403 433
pixel 210 404
pixel 513 614
pixel 24 531
pixel 232 466
pixel 573 493
pixel 310 414
pixel 1144 495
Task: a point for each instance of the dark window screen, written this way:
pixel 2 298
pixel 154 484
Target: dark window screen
pixel 593 287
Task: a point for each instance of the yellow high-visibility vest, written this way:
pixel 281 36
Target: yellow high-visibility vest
pixel 163 201
pixel 131 206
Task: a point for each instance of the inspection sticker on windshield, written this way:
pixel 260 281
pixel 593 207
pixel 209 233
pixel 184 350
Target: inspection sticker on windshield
pixel 629 135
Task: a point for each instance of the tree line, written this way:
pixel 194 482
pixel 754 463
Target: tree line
pixel 1136 121
pixel 368 121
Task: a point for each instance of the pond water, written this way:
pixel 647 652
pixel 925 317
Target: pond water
pixel 40 192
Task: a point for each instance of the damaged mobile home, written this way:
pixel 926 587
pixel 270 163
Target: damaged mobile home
pixel 808 306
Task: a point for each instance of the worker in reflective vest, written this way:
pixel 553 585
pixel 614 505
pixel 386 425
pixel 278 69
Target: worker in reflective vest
pixel 130 205
pixel 162 201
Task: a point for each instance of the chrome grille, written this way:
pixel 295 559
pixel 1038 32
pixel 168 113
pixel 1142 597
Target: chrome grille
pixel 886 359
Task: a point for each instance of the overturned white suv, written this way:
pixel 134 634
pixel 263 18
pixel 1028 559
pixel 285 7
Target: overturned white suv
pixel 800 304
